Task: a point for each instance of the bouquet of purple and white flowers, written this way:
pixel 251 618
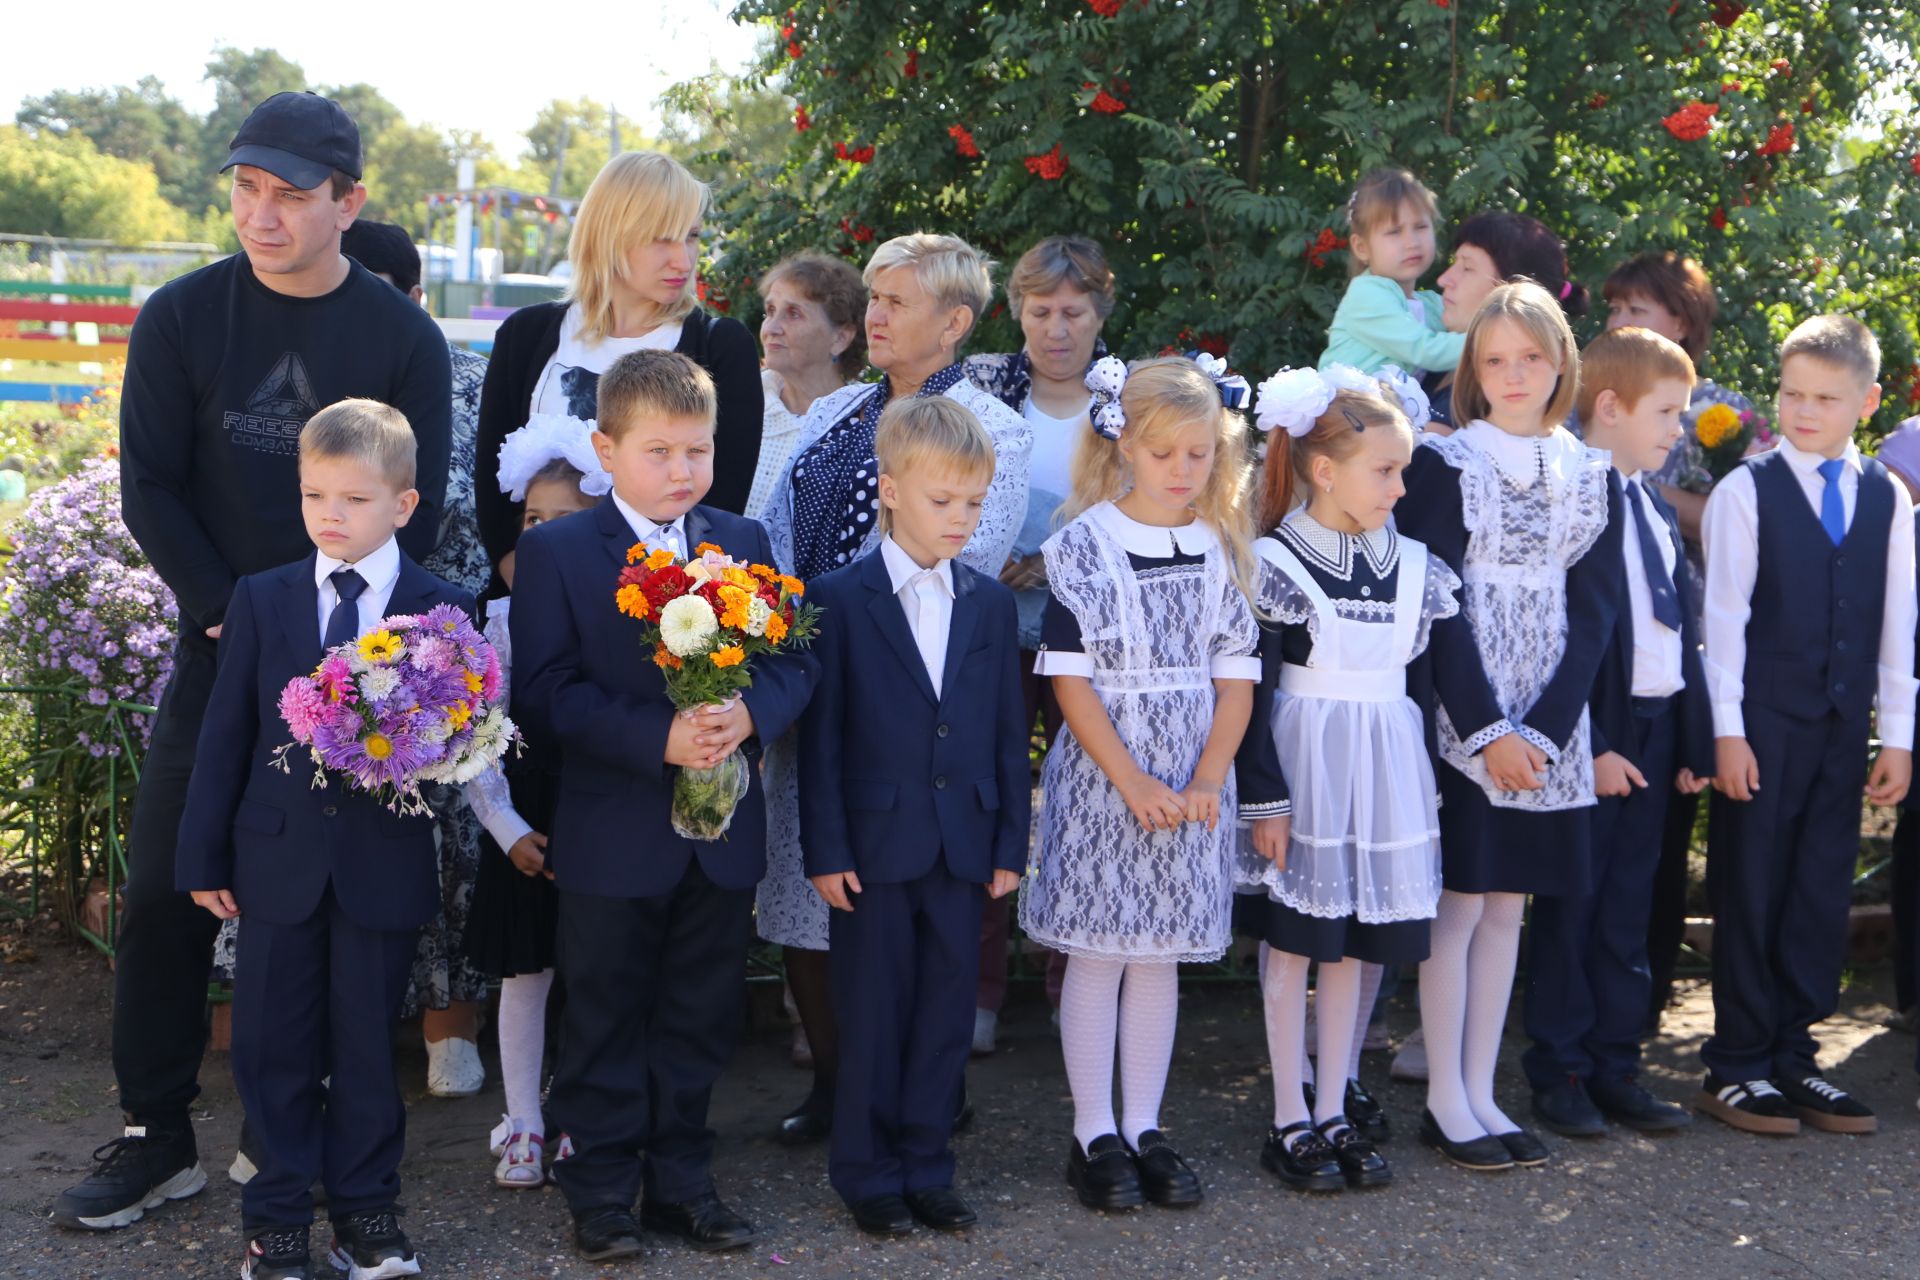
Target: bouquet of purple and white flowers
pixel 413 701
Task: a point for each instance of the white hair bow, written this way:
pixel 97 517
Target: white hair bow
pixel 1293 400
pixel 548 436
pixel 1106 379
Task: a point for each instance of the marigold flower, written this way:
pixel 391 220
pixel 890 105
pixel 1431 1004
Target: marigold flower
pixel 1716 425
pixel 708 548
pixel 764 572
pixel 638 551
pixel 660 559
pixel 664 659
pixel 632 601
pixel 776 628
pixel 792 586
pixel 731 656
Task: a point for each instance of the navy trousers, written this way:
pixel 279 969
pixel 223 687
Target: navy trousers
pixel 1780 878
pixel 1587 975
pixel 315 1000
pixel 905 963
pixel 655 991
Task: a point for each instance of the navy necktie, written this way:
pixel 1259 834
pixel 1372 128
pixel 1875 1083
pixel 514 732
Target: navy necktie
pixel 1833 509
pixel 1666 601
pixel 343 624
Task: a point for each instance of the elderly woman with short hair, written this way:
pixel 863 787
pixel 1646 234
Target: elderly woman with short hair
pixel 925 292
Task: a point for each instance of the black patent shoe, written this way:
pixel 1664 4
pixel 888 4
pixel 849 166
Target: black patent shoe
pixel 1301 1158
pixel 1484 1154
pixel 886 1215
pixel 1104 1175
pixel 941 1208
pixel 1525 1147
pixel 603 1234
pixel 1365 1113
pixel 1165 1178
pixel 703 1222
pixel 808 1123
pixel 1361 1164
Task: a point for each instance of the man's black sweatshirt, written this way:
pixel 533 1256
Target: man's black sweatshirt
pixel 222 372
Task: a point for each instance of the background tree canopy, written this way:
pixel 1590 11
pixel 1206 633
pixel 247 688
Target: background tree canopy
pixel 1211 147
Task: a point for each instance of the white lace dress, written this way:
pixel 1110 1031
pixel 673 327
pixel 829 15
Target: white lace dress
pixel 1159 619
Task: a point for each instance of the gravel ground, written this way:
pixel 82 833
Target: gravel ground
pixel 1702 1204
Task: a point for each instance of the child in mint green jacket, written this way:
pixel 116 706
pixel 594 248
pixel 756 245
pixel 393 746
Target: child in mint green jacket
pixel 1383 319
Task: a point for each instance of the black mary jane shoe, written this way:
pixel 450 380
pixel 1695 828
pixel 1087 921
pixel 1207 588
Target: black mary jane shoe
pixel 886 1215
pixel 1360 1161
pixel 1165 1178
pixel 1104 1175
pixel 1526 1149
pixel 941 1208
pixel 703 1222
pixel 1365 1113
pixel 1484 1154
pixel 604 1234
pixel 808 1123
pixel 1306 1162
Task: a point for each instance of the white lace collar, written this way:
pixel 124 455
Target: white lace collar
pixel 1157 541
pixel 1524 459
pixel 1332 551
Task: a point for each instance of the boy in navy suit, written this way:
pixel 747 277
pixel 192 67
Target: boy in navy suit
pixel 653 927
pixel 1588 982
pixel 331 888
pixel 1810 621
pixel 914 797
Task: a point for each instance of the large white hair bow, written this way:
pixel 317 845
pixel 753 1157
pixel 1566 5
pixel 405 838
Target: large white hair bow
pixel 1293 400
pixel 1405 388
pixel 1106 379
pixel 548 436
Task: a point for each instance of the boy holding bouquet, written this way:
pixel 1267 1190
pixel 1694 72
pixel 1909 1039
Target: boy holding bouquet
pixel 653 925
pixel 330 884
pixel 914 790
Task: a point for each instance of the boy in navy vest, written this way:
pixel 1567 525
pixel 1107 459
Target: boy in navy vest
pixel 914 796
pixel 330 886
pixel 1809 620
pixel 1587 978
pixel 653 927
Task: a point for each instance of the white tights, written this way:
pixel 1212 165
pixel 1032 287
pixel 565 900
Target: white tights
pixel 1336 997
pixel 523 1042
pixel 1104 1003
pixel 1465 986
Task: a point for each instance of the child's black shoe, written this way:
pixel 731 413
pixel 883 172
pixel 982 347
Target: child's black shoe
pixel 1826 1106
pixel 1625 1101
pixel 279 1254
pixel 369 1245
pixel 1360 1162
pixel 1365 1113
pixel 1104 1175
pixel 1165 1178
pixel 1301 1158
pixel 1752 1106
pixel 141 1170
pixel 1568 1111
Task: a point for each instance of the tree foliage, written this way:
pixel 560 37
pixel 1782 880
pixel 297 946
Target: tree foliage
pixel 1212 146
pixel 63 186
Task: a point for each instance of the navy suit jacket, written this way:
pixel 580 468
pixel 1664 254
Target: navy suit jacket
pixel 1612 702
pixel 583 682
pixel 893 778
pixel 270 836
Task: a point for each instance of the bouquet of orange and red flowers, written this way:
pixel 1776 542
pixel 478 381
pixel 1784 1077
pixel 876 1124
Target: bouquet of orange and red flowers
pixel 706 620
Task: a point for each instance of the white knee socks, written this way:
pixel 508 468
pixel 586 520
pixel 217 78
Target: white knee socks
pixel 1104 1002
pixel 523 1040
pixel 1284 993
pixel 1465 985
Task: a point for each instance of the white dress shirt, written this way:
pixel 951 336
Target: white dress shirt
pixel 1731 532
pixel 660 537
pixel 1656 647
pixel 926 596
pixel 489 794
pixel 379 569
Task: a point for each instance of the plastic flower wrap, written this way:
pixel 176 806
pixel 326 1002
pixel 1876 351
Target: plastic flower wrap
pixel 704 622
pixel 411 702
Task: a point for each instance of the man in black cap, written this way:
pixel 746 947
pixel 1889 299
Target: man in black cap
pixel 225 366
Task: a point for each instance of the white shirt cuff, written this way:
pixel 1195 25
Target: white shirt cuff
pixel 507 829
pixel 1896 731
pixel 1728 720
pixel 1236 667
pixel 1053 662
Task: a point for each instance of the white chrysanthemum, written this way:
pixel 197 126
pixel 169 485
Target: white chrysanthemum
pixel 686 625
pixel 758 611
pixel 1292 400
pixel 377 684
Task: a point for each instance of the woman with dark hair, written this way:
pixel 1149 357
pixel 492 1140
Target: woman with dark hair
pixel 1489 250
pixel 814 341
pixel 1061 293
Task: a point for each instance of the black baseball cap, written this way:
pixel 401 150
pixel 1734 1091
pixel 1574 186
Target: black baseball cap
pixel 299 138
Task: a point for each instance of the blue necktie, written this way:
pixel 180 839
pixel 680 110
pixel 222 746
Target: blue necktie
pixel 343 624
pixel 1666 602
pixel 1833 512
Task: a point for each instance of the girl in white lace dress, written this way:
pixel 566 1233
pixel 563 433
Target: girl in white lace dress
pixel 1334 772
pixel 1149 640
pixel 1530 520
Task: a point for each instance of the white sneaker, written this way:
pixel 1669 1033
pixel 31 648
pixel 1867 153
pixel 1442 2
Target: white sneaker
pixel 1411 1062
pixel 454 1069
pixel 986 1025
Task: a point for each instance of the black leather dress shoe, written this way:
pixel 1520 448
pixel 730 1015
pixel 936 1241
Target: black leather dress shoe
pixel 1525 1148
pixel 704 1222
pixel 810 1122
pixel 1365 1113
pixel 1624 1100
pixel 1484 1154
pixel 1568 1111
pixel 941 1208
pixel 601 1234
pixel 1104 1175
pixel 1361 1163
pixel 1165 1178
pixel 886 1215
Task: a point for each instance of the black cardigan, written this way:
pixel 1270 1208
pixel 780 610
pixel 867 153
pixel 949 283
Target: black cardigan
pixel 527 339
